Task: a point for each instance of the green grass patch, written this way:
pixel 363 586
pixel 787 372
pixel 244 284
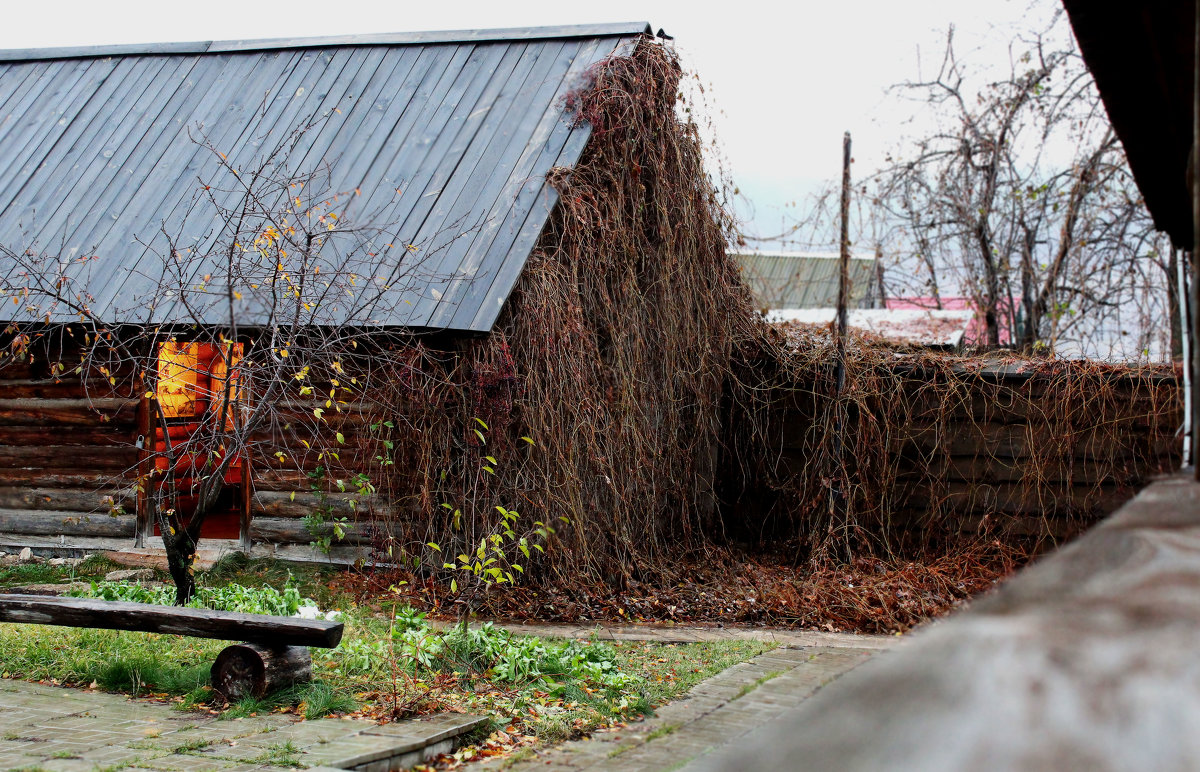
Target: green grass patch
pixel 136 663
pixel 553 688
pixel 192 746
pixel 617 751
pixel 281 755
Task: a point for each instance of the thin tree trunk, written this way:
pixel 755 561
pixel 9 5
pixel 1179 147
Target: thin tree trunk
pixel 181 561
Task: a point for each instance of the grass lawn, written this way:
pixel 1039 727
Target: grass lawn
pixel 390 664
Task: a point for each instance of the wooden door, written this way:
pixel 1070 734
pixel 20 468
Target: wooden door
pixel 195 380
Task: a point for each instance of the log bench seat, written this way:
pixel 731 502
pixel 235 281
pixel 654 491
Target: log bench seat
pixel 274 652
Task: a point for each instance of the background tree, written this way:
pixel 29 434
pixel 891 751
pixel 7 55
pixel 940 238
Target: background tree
pixel 1014 193
pixel 1020 198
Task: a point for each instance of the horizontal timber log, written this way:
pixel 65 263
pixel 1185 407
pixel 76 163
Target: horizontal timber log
pixel 68 412
pixel 175 620
pixel 1015 408
pixel 71 499
pixel 15 522
pixel 984 469
pixel 98 436
pixel 1015 499
pixel 42 388
pixel 295 504
pixel 1053 471
pixel 289 530
pixel 62 544
pixel 70 457
pixel 1012 440
pixel 45 478
pixel 1039 441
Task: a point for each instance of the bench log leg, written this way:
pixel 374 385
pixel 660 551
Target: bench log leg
pixel 252 670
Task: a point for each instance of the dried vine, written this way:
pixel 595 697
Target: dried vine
pixel 630 352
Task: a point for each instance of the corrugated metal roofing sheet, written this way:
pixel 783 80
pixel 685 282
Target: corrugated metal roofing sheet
pixel 803 279
pixel 95 156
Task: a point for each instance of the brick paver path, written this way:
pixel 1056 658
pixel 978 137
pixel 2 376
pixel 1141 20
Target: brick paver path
pixel 717 712
pixel 69 730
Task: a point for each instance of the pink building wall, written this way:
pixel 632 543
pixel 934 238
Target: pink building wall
pixel 976 331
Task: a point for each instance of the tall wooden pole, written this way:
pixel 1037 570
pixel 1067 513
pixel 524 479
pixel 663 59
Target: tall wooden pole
pixel 843 297
pixel 838 494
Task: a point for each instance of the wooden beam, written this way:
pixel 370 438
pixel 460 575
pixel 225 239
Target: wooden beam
pixel 176 620
pixel 15 522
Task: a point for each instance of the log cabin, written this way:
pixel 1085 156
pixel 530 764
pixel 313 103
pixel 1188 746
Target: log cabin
pixel 100 157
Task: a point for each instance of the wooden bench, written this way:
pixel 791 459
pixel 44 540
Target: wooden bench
pixel 274 652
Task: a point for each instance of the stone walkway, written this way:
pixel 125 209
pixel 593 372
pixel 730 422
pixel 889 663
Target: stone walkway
pixel 72 730
pixel 68 730
pixel 716 714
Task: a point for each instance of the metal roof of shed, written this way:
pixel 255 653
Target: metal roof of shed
pixel 803 279
pixel 95 153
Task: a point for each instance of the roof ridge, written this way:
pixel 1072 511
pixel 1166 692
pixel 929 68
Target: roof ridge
pixel 434 37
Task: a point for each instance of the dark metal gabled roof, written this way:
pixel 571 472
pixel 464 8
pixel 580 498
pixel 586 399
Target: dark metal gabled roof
pixel 95 156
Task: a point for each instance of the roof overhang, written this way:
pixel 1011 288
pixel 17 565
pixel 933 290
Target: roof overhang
pixel 1142 57
pixel 564 32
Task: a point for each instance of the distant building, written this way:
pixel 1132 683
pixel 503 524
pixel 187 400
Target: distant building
pixel 802 288
pixel 931 328
pixel 805 279
pixel 974 333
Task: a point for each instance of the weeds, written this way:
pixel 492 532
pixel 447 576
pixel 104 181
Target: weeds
pixel 231 597
pixel 662 731
pixel 747 688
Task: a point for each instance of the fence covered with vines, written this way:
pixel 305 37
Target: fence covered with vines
pixel 923 448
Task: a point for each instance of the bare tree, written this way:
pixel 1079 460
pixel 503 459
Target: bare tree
pixel 1021 200
pixel 241 323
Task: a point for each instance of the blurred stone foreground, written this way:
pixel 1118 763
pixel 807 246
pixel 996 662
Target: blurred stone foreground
pixel 1087 659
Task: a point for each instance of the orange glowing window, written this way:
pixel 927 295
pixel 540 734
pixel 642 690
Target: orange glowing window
pixel 192 379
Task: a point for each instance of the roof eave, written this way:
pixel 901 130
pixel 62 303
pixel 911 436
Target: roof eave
pixel 1141 56
pixel 621 29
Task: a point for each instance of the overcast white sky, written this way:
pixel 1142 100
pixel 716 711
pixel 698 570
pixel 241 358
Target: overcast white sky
pixel 787 78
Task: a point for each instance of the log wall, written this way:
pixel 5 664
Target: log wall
pixel 1042 452
pixel 68 460
pixel 1038 451
pixel 69 466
